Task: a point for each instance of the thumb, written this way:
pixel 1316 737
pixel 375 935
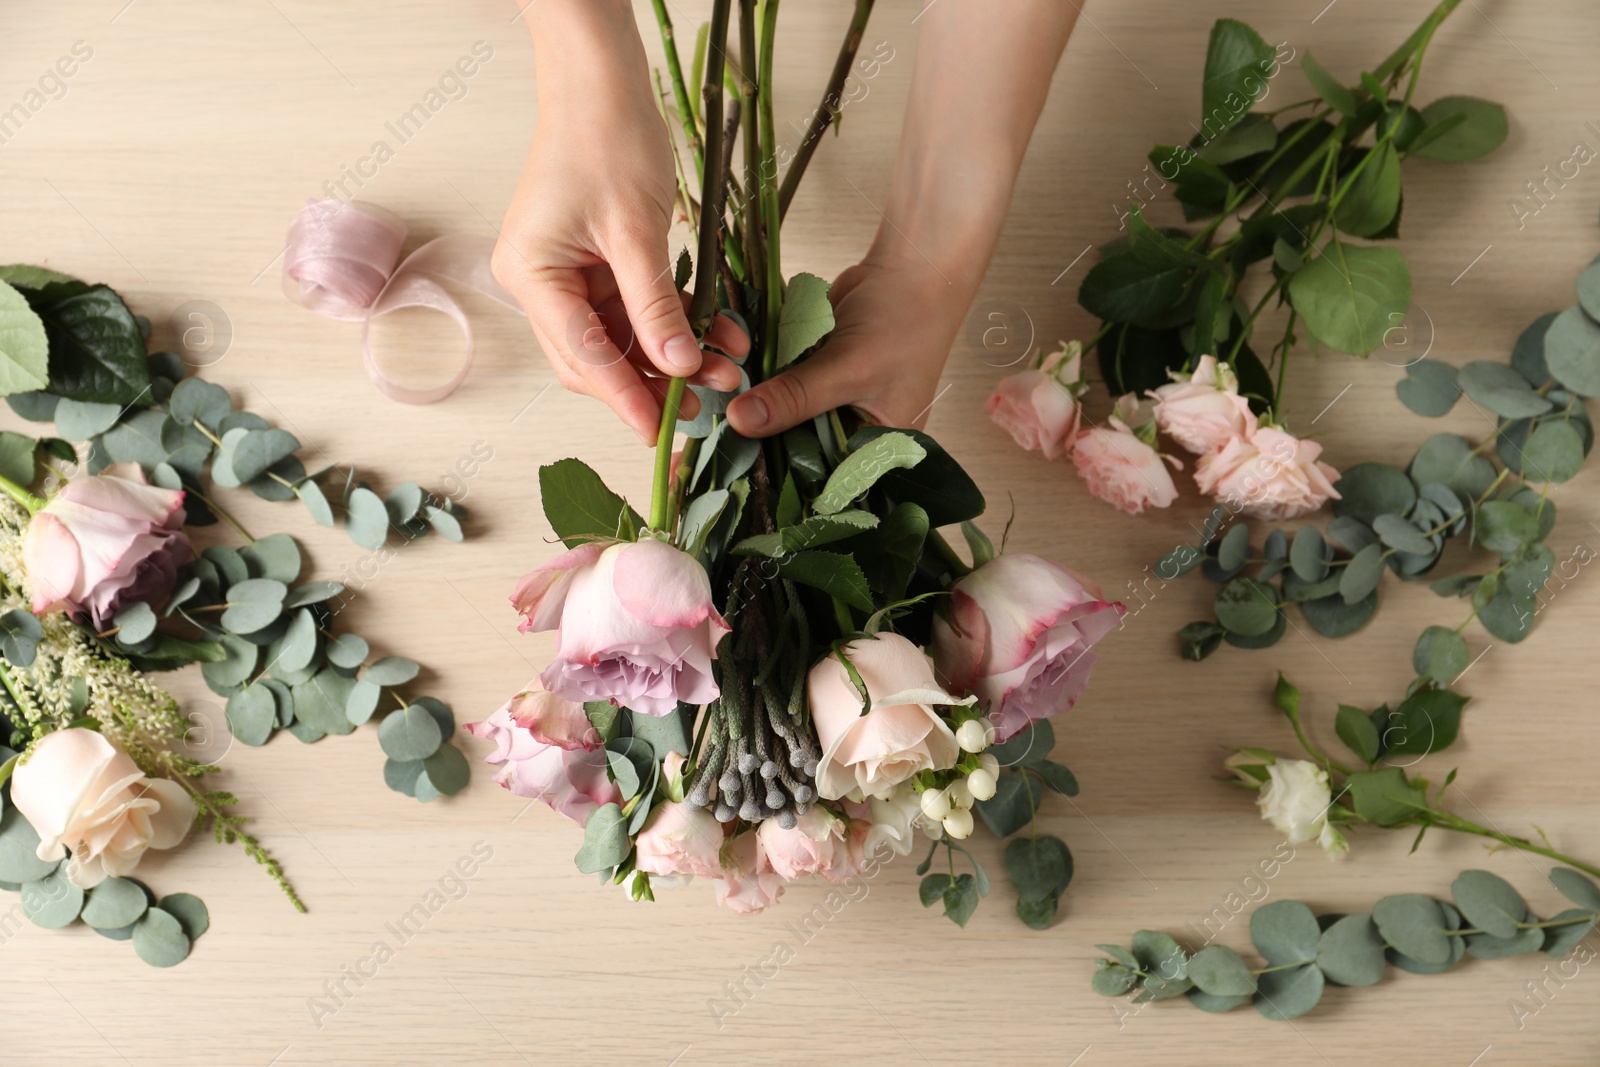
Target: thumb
pixel 656 311
pixel 820 384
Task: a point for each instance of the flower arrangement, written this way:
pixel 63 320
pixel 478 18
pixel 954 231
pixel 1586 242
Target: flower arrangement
pixel 101 586
pixel 785 669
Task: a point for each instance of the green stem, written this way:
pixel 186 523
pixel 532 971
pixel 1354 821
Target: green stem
pixel 771 211
pixel 749 116
pixel 660 490
pixel 22 496
pixel 832 103
pixel 841 615
pixel 942 549
pixel 680 90
pixel 1419 37
pixel 1450 821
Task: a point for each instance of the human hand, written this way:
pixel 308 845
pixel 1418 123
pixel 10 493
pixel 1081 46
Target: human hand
pixel 893 329
pixel 584 244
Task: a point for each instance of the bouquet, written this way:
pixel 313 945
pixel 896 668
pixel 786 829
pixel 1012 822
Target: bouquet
pixel 101 586
pixel 785 670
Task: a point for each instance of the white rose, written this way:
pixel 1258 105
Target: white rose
pixel 85 795
pixel 1295 800
pixel 893 822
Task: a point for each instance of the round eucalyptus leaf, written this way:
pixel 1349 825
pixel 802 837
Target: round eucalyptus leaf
pixel 1351 952
pixel 368 518
pixel 1234 548
pixel 319 703
pixel 347 651
pixel 119 933
pixel 197 400
pixel 1502 526
pixel 362 702
pixel 1361 574
pixel 222 465
pixel 166 476
pixel 79 420
pixel 1440 654
pixel 1400 534
pixel 252 714
pixel 275 557
pixel 1308 555
pixel 1543 508
pixel 1429 388
pixel 1113 980
pixel 279 481
pixel 1572 351
pixel 282 699
pixel 257 450
pixel 310 495
pixel 1285 931
pixel 242 420
pixel 298 645
pixel 1448 503
pixel 1160 955
pixel 1332 616
pixel 444 524
pixel 52 901
pixel 1208 1003
pixel 159 939
pixel 1560 940
pixel 1489 903
pixel 401 776
pixel 1508 616
pixel 441 713
pixel 1368 490
pixel 1500 389
pixel 1351 534
pixel 1528 569
pixel 1415 925
pixel 1488 947
pixel 190 911
pixel 1247 607
pixel 227 673
pixel 228 562
pixel 1578 888
pixel 19 849
pixel 1280 626
pixel 447 770
pixel 409 734
pixel 1527 358
pixel 1457 947
pixel 114 903
pixel 312 593
pixel 403 502
pixel 1221 972
pixel 1288 994
pixel 1553 452
pixel 307 735
pixel 391 670
pixel 1448 459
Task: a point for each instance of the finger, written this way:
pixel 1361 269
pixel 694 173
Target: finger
pixel 726 336
pixel 583 346
pixel 825 381
pixel 644 281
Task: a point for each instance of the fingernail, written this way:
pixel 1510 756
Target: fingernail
pixel 755 410
pixel 682 352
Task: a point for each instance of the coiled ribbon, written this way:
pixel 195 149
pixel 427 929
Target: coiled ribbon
pixel 343 261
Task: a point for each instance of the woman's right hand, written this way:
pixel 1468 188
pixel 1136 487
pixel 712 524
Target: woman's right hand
pixel 584 243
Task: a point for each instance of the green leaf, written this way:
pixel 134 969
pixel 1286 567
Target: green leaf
pixel 1333 616
pixel 79 421
pixel 1038 867
pixel 1037 914
pixel 937 484
pixel 1441 654
pixel 1246 606
pixel 1358 733
pixel 252 715
pixel 362 703
pixel 447 770
pixel 53 901
pixel 1500 389
pixel 1368 490
pixel 1057 777
pixel 1449 459
pixel 1328 87
pixel 1373 198
pixel 189 910
pixel 1015 799
pixel 16 457
pixel 580 507
pixel 1401 535
pixel 1308 554
pixel 1502 526
pixel 1552 453
pixel 834 573
pixel 19 845
pixel 275 556
pixel 1252 135
pixel 961 899
pixel 1560 940
pixel 1285 932
pixel 1029 748
pixel 253 604
pixel 1214 1004
pixel 1572 351
pixel 1126 287
pixel 1238 63
pixel 409 734
pixel 223 674
pixel 368 519
pixel 1350 297
pixel 114 903
pixel 1351 951
pixel 20 633
pixel 808 533
pixel 862 468
pixel 1489 902
pixel 1415 925
pixel 347 651
pixel 1234 548
pixel 392 670
pixel 806 318
pixel 1361 574
pixel 1221 972
pixel 1577 888
pixel 1385 797
pixel 1160 955
pixel 310 494
pixel 1480 131
pixel 1113 980
pixel 24 349
pixel 96 349
pixel 931 890
pixel 1283 995
pixel 319 702
pixel 1429 388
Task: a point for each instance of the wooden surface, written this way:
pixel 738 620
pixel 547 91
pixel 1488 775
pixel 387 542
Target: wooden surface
pixel 170 169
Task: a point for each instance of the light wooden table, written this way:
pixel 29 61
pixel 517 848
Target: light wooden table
pixel 170 169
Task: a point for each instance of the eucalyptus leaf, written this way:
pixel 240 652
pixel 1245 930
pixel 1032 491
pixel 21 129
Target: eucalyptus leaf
pixel 409 734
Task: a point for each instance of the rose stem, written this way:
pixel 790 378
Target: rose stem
pixel 770 212
pixel 832 104
pixel 704 306
pixel 680 90
pixel 21 496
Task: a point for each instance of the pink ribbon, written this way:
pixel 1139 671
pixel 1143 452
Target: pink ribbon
pixel 343 261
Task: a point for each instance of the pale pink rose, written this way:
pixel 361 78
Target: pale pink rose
pixel 85 795
pixel 1122 470
pixel 634 624
pixel 680 839
pixel 899 736
pixel 104 542
pixel 552 719
pixel 672 765
pixel 1205 412
pixel 811 846
pixel 572 781
pixel 1020 635
pixel 748 883
pixel 1271 476
pixel 1036 407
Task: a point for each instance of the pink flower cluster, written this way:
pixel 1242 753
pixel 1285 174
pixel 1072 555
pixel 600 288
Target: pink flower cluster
pixel 1258 470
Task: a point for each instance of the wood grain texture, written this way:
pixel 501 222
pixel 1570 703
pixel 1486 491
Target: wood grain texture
pixel 170 169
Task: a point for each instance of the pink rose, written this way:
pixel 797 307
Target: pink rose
pixel 1205 412
pixel 104 542
pixel 748 883
pixel 572 781
pixel 811 846
pixel 553 720
pixel 1037 407
pixel 680 839
pixel 1020 635
pixel 1271 475
pixel 899 736
pixel 634 625
pixel 1122 469
pixel 85 795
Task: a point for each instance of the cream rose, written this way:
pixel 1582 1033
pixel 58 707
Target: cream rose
pixel 1295 800
pixel 1271 475
pixel 900 734
pixel 85 795
pixel 1204 411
